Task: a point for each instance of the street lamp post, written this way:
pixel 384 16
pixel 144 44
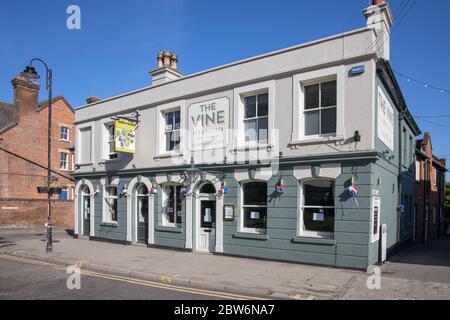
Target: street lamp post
pixel 30 73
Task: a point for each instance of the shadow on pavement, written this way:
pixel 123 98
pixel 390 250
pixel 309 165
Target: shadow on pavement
pixel 5 243
pixel 436 253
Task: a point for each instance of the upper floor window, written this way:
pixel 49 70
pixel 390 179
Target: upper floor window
pixel 112 154
pixel 254 207
pixel 110 212
pixel 64 161
pixel 320 109
pixel 172 206
pixel 172 130
pixel 256 118
pixel 64 133
pixel 318 209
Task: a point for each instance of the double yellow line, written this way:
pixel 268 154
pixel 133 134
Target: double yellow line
pixel 147 283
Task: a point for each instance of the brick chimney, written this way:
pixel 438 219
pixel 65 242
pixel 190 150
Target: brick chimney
pixel 167 68
pixel 379 17
pixel 26 94
pixel 92 99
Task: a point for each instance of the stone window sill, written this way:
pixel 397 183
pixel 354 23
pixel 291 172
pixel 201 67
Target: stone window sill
pixel 309 240
pixel 109 224
pixel 251 236
pixel 169 229
pixel 169 155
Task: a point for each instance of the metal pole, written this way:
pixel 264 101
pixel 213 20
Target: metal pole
pixel 49 246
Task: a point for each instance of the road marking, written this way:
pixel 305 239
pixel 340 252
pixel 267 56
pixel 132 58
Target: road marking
pixel 147 283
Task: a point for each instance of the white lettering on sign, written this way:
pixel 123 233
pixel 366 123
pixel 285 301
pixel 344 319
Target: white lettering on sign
pixel 385 120
pixel 208 123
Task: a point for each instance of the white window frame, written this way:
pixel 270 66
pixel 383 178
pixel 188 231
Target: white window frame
pixel 319 109
pixel 67 160
pixel 160 128
pixel 301 226
pixel 172 130
pixel 242 229
pixel 239 112
pixel 164 219
pixel 61 134
pixel 107 216
pixel 313 77
pixel 79 147
pixel 256 118
pixel 107 155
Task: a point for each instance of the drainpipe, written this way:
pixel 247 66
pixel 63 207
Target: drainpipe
pixel 399 178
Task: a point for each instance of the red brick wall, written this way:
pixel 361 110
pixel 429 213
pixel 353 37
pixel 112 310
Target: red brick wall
pixel 429 193
pixel 33 213
pixel 23 169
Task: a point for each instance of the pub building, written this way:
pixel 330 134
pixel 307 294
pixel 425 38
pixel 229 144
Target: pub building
pixel 303 154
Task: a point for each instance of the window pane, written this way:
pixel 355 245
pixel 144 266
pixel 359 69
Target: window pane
pixel 311 123
pixel 312 97
pixel 318 193
pixel 318 220
pixel 208 188
pixel 328 91
pixel 112 147
pixel 169 120
pixel 255 218
pixel 177 120
pixel 63 195
pixel 172 140
pixel 170 205
pixel 250 107
pixel 263 105
pixel 255 193
pixel 179 204
pixel 328 119
pixel 262 129
pixel 114 210
pixel 250 130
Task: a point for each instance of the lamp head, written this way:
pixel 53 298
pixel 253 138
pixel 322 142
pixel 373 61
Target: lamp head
pixel 30 73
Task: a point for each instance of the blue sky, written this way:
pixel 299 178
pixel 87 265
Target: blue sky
pixel 118 42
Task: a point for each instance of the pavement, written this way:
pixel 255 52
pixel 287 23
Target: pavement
pixel 422 272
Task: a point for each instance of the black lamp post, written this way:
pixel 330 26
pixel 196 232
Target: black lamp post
pixel 30 73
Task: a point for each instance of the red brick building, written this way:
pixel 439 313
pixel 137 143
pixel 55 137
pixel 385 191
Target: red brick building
pixel 430 192
pixel 23 158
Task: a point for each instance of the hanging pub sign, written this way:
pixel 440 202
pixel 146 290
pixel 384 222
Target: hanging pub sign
pixel 125 136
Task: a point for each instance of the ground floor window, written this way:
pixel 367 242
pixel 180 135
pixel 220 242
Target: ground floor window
pixel 110 214
pixel 254 207
pixel 64 195
pixel 317 209
pixel 172 205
